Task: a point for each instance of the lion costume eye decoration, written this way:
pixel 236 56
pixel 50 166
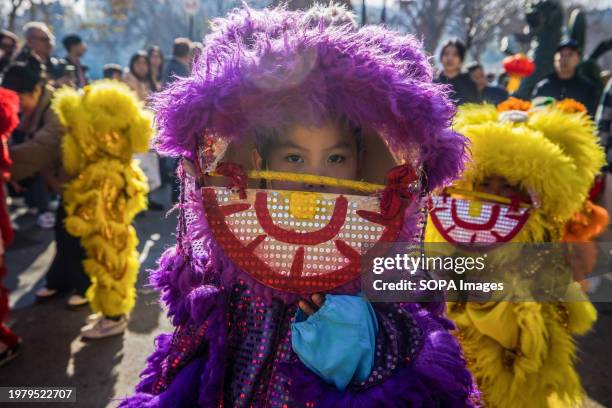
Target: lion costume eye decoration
pixel 482 220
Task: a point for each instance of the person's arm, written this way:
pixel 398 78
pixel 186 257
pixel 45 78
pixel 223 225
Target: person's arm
pixel 593 101
pixel 537 90
pixel 168 73
pixel 473 94
pixel 40 151
pixel 604 123
pixel 131 81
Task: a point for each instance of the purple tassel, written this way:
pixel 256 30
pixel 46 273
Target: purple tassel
pixel 153 368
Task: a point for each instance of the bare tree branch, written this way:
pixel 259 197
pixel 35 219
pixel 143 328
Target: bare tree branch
pixel 304 4
pixel 15 6
pixel 428 18
pixel 480 21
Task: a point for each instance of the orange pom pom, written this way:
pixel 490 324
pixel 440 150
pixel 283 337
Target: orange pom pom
pixel 570 106
pixel 513 103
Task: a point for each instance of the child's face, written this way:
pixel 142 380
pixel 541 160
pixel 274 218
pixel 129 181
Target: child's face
pixel 500 186
pixel 324 151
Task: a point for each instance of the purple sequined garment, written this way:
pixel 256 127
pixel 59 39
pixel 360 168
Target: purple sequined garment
pixel 232 346
pixel 232 343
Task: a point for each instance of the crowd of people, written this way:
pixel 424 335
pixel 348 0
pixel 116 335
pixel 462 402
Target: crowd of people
pixel 147 72
pixel 37 174
pixel 475 86
pixel 272 315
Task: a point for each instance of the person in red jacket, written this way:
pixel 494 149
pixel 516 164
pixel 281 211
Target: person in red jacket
pixel 9 107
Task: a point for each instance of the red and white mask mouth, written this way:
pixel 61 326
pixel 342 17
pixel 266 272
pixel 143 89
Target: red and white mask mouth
pixel 484 224
pixel 298 242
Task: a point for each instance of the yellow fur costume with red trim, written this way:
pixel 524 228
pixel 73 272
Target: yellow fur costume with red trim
pixel 522 353
pixel 106 125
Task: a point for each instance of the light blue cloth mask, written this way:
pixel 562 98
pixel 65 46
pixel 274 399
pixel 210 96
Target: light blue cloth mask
pixel 338 341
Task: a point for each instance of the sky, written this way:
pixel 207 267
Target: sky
pixel 600 4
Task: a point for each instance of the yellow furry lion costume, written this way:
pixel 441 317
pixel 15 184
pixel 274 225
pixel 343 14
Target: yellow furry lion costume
pixel 106 124
pixel 522 353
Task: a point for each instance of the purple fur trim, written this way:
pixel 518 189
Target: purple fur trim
pixel 200 382
pixel 154 362
pixel 268 69
pixel 139 400
pixel 181 392
pixel 437 377
pixel 211 377
pixel 169 279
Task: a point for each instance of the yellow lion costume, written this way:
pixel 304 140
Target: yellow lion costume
pixel 106 125
pixel 522 353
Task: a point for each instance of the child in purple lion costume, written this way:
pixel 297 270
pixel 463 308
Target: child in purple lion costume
pixel 232 345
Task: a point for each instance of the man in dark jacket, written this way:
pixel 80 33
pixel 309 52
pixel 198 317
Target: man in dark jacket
pixel 604 123
pixel 39 41
pixel 566 82
pixel 75 49
pixel 494 94
pixel 179 64
pixel 8 47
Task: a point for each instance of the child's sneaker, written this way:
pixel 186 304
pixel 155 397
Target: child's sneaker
pixel 104 327
pixel 75 301
pixel 45 293
pixel 93 318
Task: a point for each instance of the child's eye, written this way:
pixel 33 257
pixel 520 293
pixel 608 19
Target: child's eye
pixel 294 158
pixel 336 158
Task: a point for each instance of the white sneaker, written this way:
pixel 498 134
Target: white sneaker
pixel 45 292
pixel 16 201
pixel 93 318
pixel 46 220
pixel 77 301
pixel 104 328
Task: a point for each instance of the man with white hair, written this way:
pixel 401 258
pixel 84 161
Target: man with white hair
pixel 39 39
pixel 40 42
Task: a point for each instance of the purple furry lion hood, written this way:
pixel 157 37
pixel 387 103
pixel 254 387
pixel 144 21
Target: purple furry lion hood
pixel 270 68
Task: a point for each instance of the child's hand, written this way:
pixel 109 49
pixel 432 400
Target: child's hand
pixel 335 337
pixel 310 308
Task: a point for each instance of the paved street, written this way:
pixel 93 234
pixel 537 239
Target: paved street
pixel 107 369
pixel 53 353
